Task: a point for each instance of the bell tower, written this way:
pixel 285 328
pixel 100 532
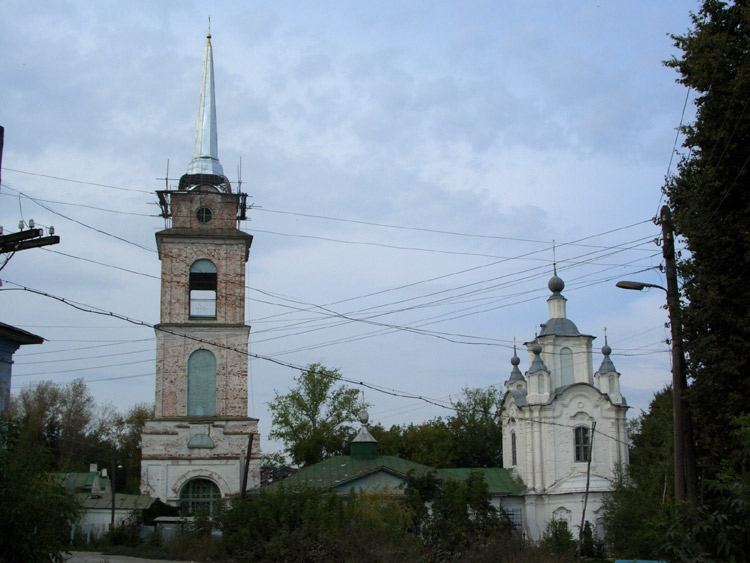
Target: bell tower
pixel 194 449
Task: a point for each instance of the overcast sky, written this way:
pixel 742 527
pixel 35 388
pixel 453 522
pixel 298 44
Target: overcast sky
pixel 409 163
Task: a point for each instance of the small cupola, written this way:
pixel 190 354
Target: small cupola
pixel 538 377
pixel 516 381
pixel 558 324
pixel 364 446
pixel 607 377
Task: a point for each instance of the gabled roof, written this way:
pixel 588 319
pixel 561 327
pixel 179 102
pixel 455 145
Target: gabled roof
pixel 499 481
pixel 18 335
pixel 338 470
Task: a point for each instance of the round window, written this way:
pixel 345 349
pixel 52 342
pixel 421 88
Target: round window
pixel 204 214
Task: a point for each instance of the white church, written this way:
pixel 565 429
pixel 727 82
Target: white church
pixel 564 425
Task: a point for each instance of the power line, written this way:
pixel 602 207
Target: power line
pixel 109 186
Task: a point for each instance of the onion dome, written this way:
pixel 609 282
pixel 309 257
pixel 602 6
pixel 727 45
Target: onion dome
pixel 607 365
pixel 537 364
pixel 515 373
pixel 555 284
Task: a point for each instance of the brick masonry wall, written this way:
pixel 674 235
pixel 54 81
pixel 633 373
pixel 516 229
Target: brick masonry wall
pixel 172 353
pixel 168 459
pixel 169 462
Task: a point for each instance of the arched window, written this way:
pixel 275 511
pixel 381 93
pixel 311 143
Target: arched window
pixel 201 388
pixel 199 495
pixel 514 460
pixel 203 289
pixel 566 367
pixel 582 441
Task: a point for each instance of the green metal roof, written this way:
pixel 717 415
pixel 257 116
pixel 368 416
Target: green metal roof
pixel 499 481
pixel 338 470
pixel 80 482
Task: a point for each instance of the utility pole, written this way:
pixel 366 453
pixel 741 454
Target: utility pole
pixel 586 495
pixel 22 240
pixel 685 477
pixel 243 491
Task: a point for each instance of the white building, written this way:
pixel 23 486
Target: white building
pixel 194 450
pixel 556 420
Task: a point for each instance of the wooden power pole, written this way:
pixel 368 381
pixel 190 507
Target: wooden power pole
pixel 685 476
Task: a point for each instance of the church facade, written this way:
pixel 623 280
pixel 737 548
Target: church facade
pixel 564 425
pixel 195 450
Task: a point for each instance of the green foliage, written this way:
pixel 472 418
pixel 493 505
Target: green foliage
pixel 636 522
pixel 652 454
pixel 75 431
pixel 430 443
pixel 67 422
pixel 128 429
pixel 470 438
pixel 304 525
pixel 558 538
pixel 314 419
pixel 591 544
pixel 460 518
pixel 710 201
pixel 35 510
pixel 127 532
pixel 476 428
pixel 636 513
pixel 717 531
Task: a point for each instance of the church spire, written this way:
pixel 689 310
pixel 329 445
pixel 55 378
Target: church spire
pixel 206 151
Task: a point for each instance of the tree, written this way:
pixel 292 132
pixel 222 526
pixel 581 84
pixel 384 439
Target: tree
pixel 67 422
pixel 35 510
pixel 128 430
pixel 651 466
pixel 429 443
pixel 472 437
pixel 314 419
pixel 718 531
pixel 710 202
pixel 477 430
pixel 452 516
pixel 636 512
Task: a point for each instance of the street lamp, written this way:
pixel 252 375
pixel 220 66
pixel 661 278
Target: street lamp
pixel 638 286
pixel 685 481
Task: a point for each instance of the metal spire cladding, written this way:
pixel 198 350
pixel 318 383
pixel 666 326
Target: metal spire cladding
pixel 206 152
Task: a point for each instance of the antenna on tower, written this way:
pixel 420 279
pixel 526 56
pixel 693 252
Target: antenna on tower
pixel 209 27
pixel 166 178
pixel 239 177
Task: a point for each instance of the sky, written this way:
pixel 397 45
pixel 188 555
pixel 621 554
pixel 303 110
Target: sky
pixel 409 166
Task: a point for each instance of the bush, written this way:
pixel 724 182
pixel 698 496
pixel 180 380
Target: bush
pixel 558 538
pixel 305 525
pixel 35 510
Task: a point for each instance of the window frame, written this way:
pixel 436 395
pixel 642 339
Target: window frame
pixel 582 444
pixel 201 383
pixel 191 501
pixel 202 278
